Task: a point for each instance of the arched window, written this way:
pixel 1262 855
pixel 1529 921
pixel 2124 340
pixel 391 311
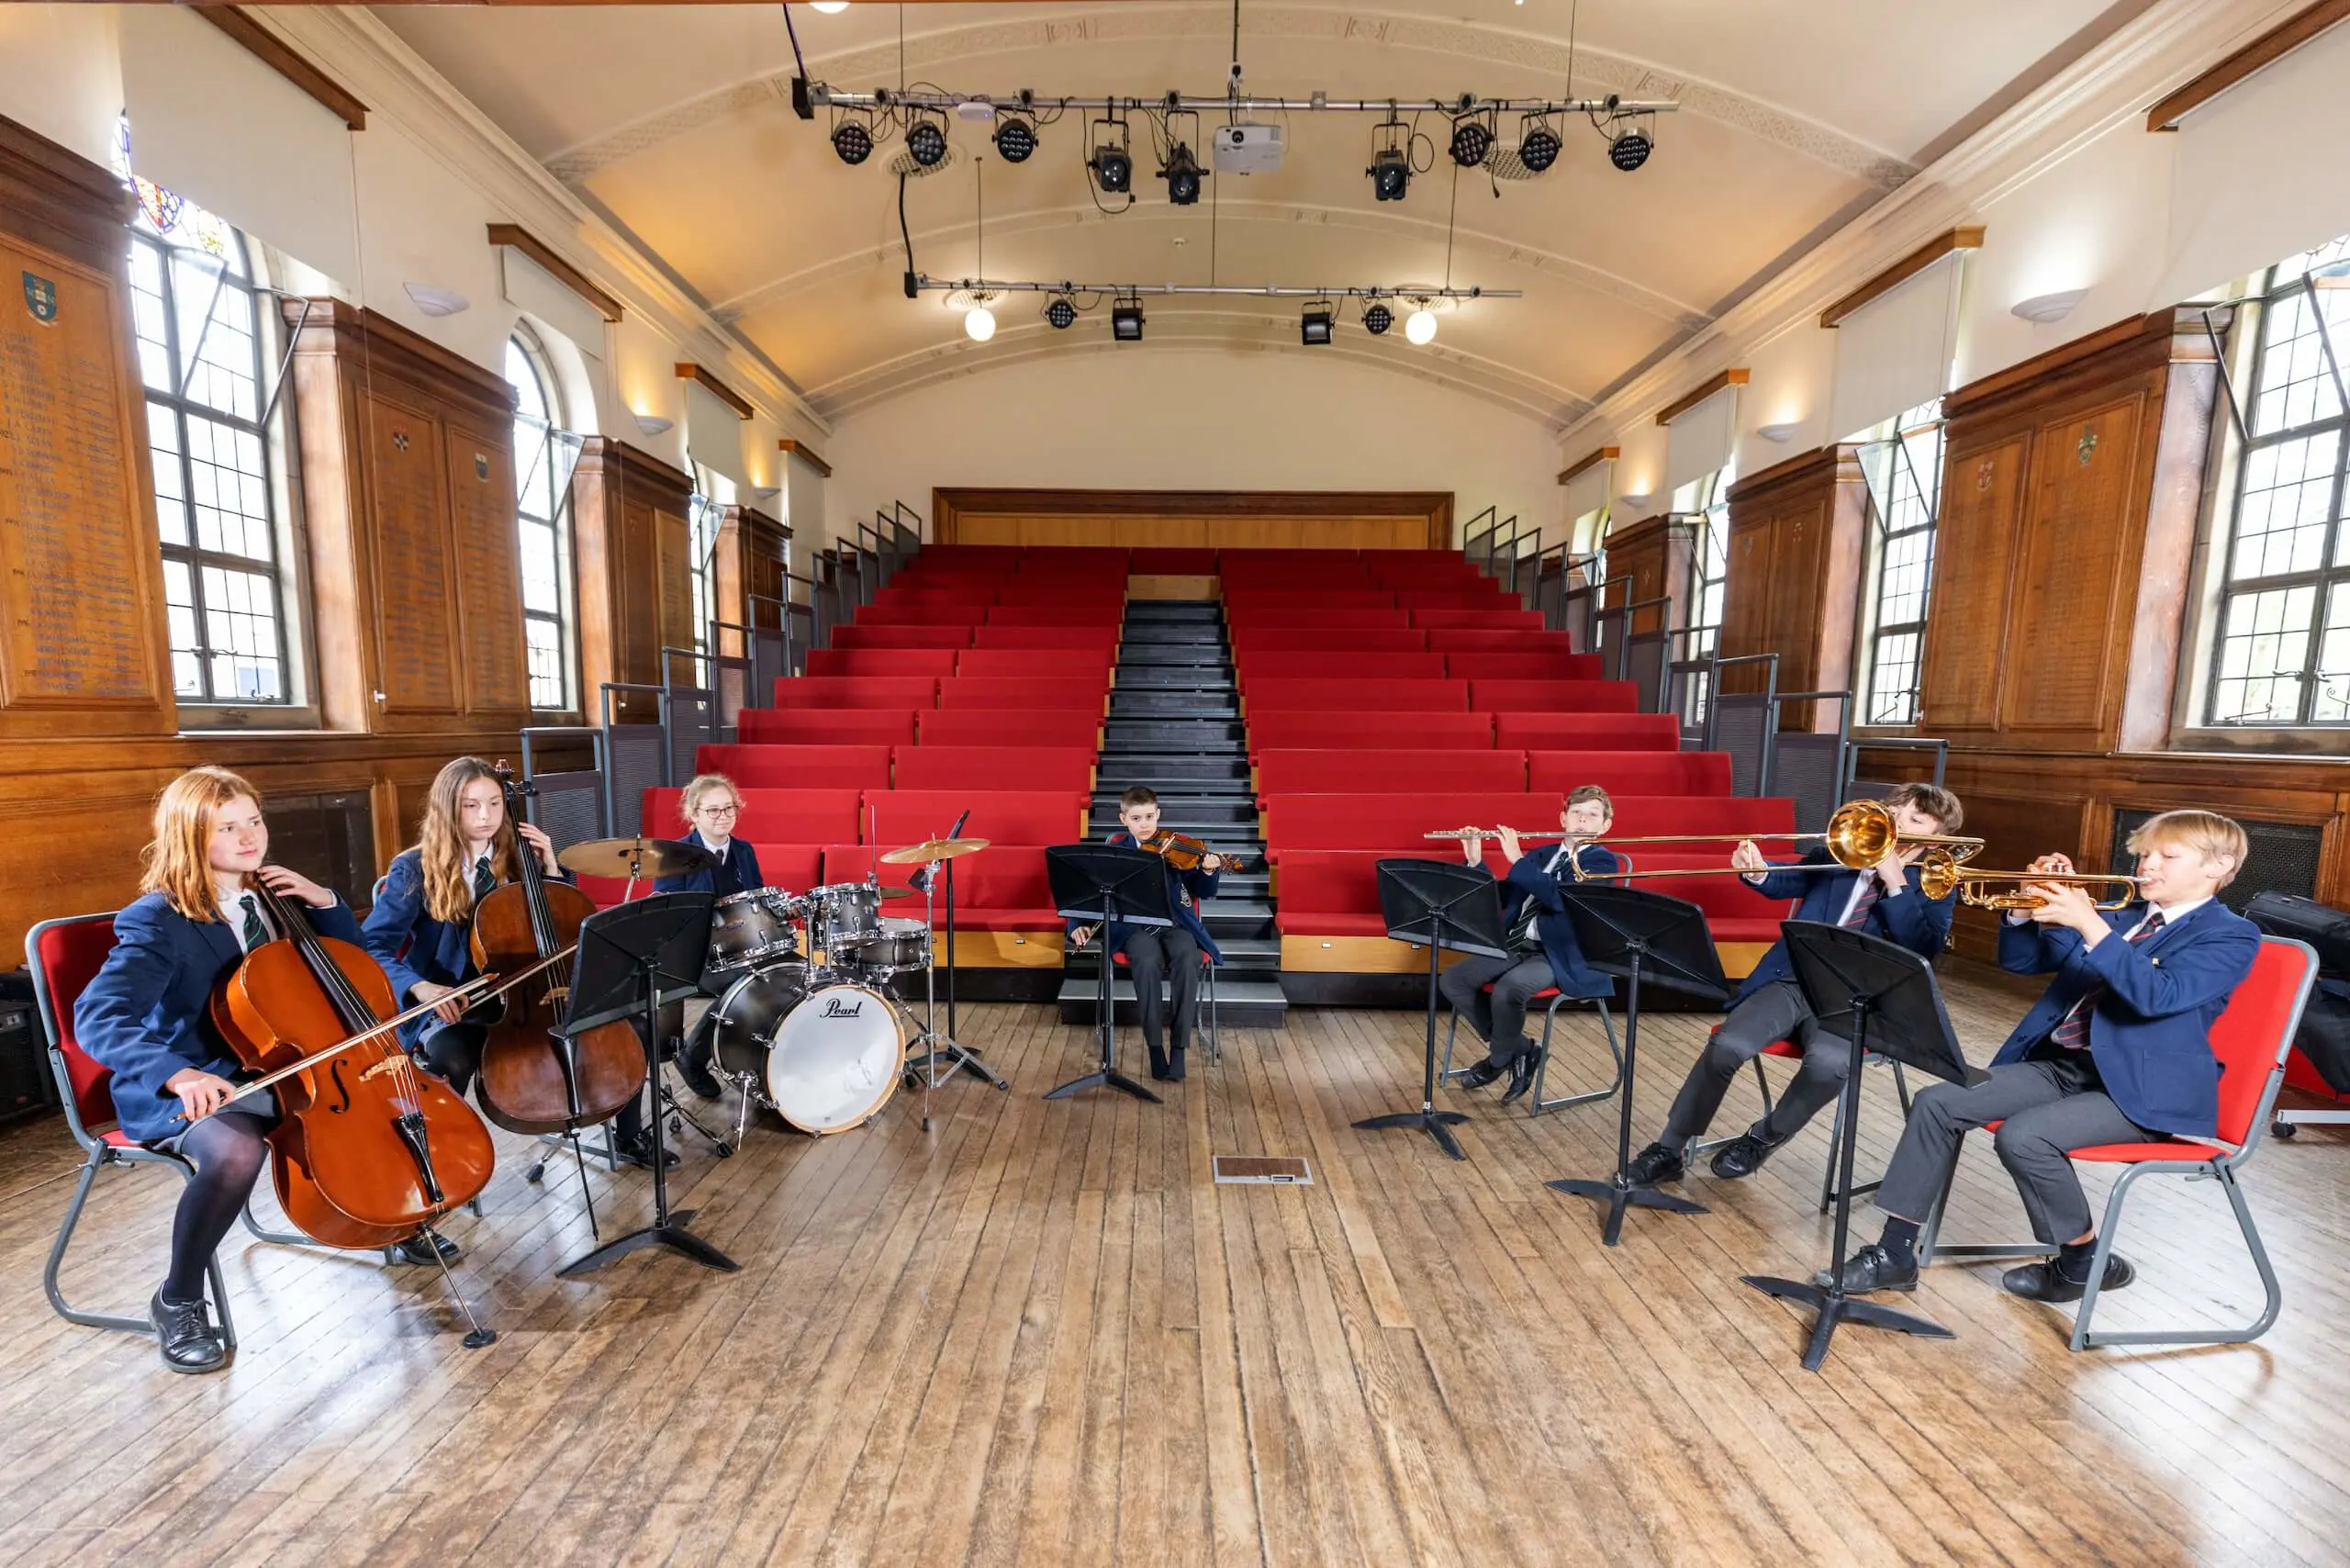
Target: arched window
pixel 544 455
pixel 210 399
pixel 1903 465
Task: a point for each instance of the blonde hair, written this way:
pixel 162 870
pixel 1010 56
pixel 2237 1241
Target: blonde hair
pixel 2208 834
pixel 177 862
pixel 441 842
pixel 699 787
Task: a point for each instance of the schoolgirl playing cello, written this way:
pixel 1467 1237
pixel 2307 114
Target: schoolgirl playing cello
pixel 419 928
pixel 147 1015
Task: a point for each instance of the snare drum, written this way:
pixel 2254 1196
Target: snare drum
pixel 841 915
pixel 749 929
pixel 835 1060
pixel 901 944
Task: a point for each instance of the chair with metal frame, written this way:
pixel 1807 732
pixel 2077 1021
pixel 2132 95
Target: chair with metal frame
pixel 1207 966
pixel 2250 1038
pixel 1788 1050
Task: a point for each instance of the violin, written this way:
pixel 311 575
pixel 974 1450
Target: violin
pixel 1185 853
pixel 533 1078
pixel 369 1147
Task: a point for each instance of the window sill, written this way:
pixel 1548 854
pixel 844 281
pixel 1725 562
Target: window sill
pixel 210 718
pixel 2330 743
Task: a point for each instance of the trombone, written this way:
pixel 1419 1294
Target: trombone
pixel 1939 873
pixel 1860 834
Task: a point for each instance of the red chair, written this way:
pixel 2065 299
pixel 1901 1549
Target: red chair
pixel 1207 966
pixel 1790 1051
pixel 64 955
pixel 2251 1039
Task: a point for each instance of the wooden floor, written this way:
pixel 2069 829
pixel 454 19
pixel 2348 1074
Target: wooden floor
pixel 1039 1334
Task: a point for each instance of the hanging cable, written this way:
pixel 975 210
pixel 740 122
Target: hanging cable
pixel 799 61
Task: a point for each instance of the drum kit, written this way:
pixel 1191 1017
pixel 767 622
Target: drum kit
pixel 807 1018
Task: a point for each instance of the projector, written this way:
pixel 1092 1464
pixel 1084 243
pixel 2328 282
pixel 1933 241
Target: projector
pixel 1247 148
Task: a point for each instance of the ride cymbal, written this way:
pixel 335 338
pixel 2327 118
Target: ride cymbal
pixel 931 849
pixel 638 857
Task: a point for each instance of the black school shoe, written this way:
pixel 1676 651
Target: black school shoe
pixel 2046 1281
pixel 1742 1155
pixel 185 1332
pixel 427 1246
pixel 1655 1164
pixel 638 1151
pixel 1874 1269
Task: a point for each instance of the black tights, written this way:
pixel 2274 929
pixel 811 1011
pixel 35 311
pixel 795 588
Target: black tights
pixel 226 1148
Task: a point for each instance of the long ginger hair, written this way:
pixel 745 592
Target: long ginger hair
pixel 177 862
pixel 440 843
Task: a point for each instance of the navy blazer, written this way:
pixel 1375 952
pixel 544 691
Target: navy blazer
pixel 1917 922
pixel 1185 889
pixel 739 868
pixel 148 1014
pixel 412 946
pixel 1528 879
pixel 2150 1032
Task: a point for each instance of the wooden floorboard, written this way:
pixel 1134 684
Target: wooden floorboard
pixel 1039 1333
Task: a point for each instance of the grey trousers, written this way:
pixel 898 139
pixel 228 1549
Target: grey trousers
pixel 2046 1105
pixel 1172 954
pixel 1499 1019
pixel 1778 1011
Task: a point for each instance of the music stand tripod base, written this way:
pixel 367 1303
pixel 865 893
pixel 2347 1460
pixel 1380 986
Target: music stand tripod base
pixel 1107 884
pixel 1620 1195
pixel 1442 906
pixel 1438 1125
pixel 1834 1307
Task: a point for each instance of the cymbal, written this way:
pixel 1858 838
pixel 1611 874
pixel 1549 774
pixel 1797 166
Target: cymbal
pixel 643 856
pixel 888 893
pixel 931 849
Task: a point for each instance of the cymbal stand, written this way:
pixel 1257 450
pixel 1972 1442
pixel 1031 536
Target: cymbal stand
pixel 931 1046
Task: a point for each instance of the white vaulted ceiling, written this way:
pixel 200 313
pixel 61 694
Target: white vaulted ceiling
pixel 1797 114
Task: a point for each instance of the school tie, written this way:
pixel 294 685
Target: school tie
pixel 1521 930
pixel 485 879
pixel 254 930
pixel 1872 889
pixel 2072 1031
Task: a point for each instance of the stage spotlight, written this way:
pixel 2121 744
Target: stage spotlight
pixel 852 141
pixel 1061 314
pixel 1391 173
pixel 1183 176
pixel 1315 327
pixel 1629 150
pixel 1014 140
pixel 1472 139
pixel 1113 167
pixel 926 142
pixel 1538 146
pixel 1420 326
pixel 1377 319
pixel 978 323
pixel 1126 321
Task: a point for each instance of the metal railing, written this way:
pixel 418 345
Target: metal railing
pixel 1744 723
pixel 1811 768
pixel 636 758
pixel 1857 787
pixel 1614 639
pixel 570 804
pixel 1470 540
pixel 1580 607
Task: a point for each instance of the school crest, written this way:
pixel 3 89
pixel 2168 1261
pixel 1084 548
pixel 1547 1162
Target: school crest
pixel 481 466
pixel 41 298
pixel 399 441
pixel 2085 447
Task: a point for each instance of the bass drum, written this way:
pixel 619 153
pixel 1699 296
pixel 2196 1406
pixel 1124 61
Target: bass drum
pixel 837 1059
pixel 748 1015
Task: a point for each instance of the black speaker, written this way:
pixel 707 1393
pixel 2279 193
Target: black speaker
pixel 27 1087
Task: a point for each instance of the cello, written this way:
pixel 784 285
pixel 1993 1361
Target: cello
pixel 535 1080
pixel 370 1148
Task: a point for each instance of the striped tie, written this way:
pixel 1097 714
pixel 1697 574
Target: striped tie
pixel 254 930
pixel 1872 889
pixel 485 879
pixel 2072 1031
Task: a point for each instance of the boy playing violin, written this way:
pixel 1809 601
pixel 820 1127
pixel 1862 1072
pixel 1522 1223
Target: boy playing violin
pixel 1170 952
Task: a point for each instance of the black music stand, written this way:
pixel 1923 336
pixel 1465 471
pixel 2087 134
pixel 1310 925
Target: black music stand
pixel 1644 938
pixel 1099 883
pixel 1447 907
pixel 1880 997
pixel 633 960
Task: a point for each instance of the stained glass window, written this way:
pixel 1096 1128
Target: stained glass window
pixel 197 324
pixel 2281 657
pixel 544 455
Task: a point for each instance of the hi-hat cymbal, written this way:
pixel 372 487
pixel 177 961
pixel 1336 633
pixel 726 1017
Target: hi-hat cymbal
pixel 635 857
pixel 888 893
pixel 931 849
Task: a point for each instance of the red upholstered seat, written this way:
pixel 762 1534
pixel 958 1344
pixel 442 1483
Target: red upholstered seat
pixel 1353 665
pixel 896 817
pixel 785 767
pixel 1399 824
pixel 1504 620
pixel 1247 642
pixel 996 727
pixel 778 816
pixel 1388 772
pixel 795 866
pixel 1028 664
pixel 860 863
pixel 902 637
pixel 1239 601
pixel 1625 731
pixel 854 662
pixel 66 957
pixel 1344 730
pixel 895 692
pixel 1481 640
pixel 1522 667
pixel 1554 696
pixel 1021 692
pixel 1632 772
pixel 1359 696
pixel 1271 619
pixel 1102 639
pixel 825 726
pixel 2135 1153
pixel 1094 613
pixel 993 768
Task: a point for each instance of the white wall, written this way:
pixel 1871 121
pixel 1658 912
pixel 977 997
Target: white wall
pixel 1196 419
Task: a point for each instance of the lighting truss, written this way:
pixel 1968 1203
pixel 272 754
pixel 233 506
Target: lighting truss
pixel 809 97
pixel 924 282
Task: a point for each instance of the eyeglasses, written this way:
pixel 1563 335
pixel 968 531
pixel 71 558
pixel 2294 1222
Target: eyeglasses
pixel 716 811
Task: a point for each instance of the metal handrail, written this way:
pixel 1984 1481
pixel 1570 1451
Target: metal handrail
pixel 661 700
pixel 1940 748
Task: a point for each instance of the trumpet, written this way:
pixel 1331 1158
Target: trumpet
pixel 1860 834
pixel 1939 873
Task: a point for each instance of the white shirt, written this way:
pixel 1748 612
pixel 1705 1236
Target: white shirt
pixel 233 909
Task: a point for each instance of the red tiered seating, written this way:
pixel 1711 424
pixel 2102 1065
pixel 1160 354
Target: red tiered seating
pixel 1026 664
pixel 771 767
pixel 1399 824
pixel 1021 693
pixel 1632 772
pixel 855 691
pixel 1106 615
pixel 1026 816
pixel 1473 639
pixel 1520 666
pixel 1734 911
pixel 866 636
pixel 1247 642
pixel 769 816
pixel 1596 732
pixel 1356 731
pixel 987 726
pixel 1350 666
pixel 1554 696
pixel 1363 696
pixel 887 662
pixel 1495 619
pixel 792 867
pixel 1084 638
pixel 825 726
pixel 1356 772
pixel 995 767
pixel 1321 619
pixel 1237 602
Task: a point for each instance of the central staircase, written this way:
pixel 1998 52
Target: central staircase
pixel 1175 725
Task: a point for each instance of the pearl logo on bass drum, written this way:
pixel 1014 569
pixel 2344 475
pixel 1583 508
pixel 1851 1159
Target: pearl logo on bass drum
pixel 836 1008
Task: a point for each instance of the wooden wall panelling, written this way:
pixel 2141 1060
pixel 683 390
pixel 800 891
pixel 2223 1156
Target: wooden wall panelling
pixel 1196 518
pixel 1796 542
pixel 1967 615
pixel 1657 554
pixel 631 547
pixel 83 640
pixel 480 466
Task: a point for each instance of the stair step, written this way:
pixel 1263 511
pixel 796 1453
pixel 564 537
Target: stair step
pixel 1207 654
pixel 1196 774
pixel 1209 610
pixel 1184 678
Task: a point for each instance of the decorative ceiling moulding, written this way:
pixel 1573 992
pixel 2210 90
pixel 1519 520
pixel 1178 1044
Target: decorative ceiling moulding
pixel 890 257
pixel 571 277
pixel 1966 238
pixel 2248 61
pixel 2109 86
pixel 1595 73
pixel 357 49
